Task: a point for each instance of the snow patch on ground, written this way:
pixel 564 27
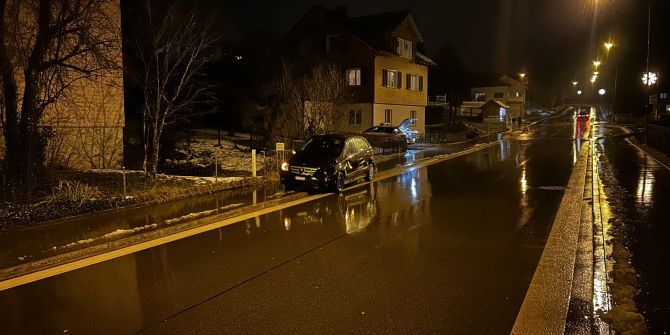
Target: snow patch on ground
pixel 229 156
pixel 116 233
pixel 193 216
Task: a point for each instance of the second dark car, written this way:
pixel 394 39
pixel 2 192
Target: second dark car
pixel 329 162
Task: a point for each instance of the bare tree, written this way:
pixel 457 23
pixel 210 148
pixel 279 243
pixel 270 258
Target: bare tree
pixel 174 52
pixel 47 47
pixel 310 99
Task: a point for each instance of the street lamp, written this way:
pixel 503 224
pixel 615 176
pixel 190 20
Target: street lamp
pixel 602 91
pixel 579 92
pixel 649 78
pixel 522 111
pixel 596 63
pixel 608 45
pixel 574 84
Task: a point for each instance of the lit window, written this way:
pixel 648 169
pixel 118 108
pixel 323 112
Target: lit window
pixel 354 77
pixel 517 94
pixel 391 78
pixel 663 95
pixel 405 48
pixel 480 96
pixel 414 82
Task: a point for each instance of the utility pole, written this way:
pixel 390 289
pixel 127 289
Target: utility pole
pixel 646 85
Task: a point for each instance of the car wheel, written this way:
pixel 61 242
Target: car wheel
pixel 371 172
pixel 339 183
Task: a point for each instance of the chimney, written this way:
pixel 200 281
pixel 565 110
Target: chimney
pixel 342 10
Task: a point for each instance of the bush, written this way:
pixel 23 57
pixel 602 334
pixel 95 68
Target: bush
pixel 75 192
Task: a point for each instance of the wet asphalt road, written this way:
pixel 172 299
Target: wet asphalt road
pixel 449 248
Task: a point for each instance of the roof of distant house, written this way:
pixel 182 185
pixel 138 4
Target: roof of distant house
pixel 492 80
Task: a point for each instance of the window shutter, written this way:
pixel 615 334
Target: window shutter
pixel 385 79
pixel 399 85
pixel 407 81
pixel 420 83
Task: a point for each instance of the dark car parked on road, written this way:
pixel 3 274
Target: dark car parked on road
pixel 329 162
pixel 403 130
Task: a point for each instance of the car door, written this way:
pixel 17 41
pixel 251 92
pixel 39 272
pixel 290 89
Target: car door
pixel 350 161
pixel 361 156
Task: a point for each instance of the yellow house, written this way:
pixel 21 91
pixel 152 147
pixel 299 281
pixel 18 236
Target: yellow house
pixel 380 58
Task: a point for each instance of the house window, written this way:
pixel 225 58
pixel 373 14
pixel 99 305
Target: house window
pixel 391 78
pixel 413 82
pixel 354 77
pixel 405 48
pixel 355 117
pixel 480 96
pixel 498 95
pixel 663 95
pixel 334 43
pixel 387 116
pixel 517 94
pixel 412 116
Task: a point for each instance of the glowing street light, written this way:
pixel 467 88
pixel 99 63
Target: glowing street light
pixel 602 91
pixel 522 75
pixel 574 83
pixel 608 45
pixel 649 78
pixel 579 92
pixel 596 63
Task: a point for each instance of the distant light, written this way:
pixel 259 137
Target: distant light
pixel 596 63
pixel 238 57
pixel 595 73
pixel 649 78
pixel 574 83
pixel 608 45
pixel 579 92
pixel 602 91
pixel 593 79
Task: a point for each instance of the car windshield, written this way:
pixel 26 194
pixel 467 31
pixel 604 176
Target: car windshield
pixel 321 145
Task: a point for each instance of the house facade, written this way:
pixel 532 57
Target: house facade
pixel 379 56
pixel 86 121
pixel 506 90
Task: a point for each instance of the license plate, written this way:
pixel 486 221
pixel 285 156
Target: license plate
pixel 299 178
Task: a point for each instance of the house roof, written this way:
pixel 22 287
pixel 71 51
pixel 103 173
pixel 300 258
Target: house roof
pixel 497 102
pixel 480 104
pixel 366 27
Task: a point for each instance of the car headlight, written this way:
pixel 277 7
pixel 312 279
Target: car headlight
pixel 284 166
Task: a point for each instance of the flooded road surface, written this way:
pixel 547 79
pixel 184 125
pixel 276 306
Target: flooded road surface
pixel 25 245
pixel 447 248
pixel 638 191
pixel 21 246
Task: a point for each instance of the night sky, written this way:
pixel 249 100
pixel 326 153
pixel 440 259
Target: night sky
pixel 554 40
